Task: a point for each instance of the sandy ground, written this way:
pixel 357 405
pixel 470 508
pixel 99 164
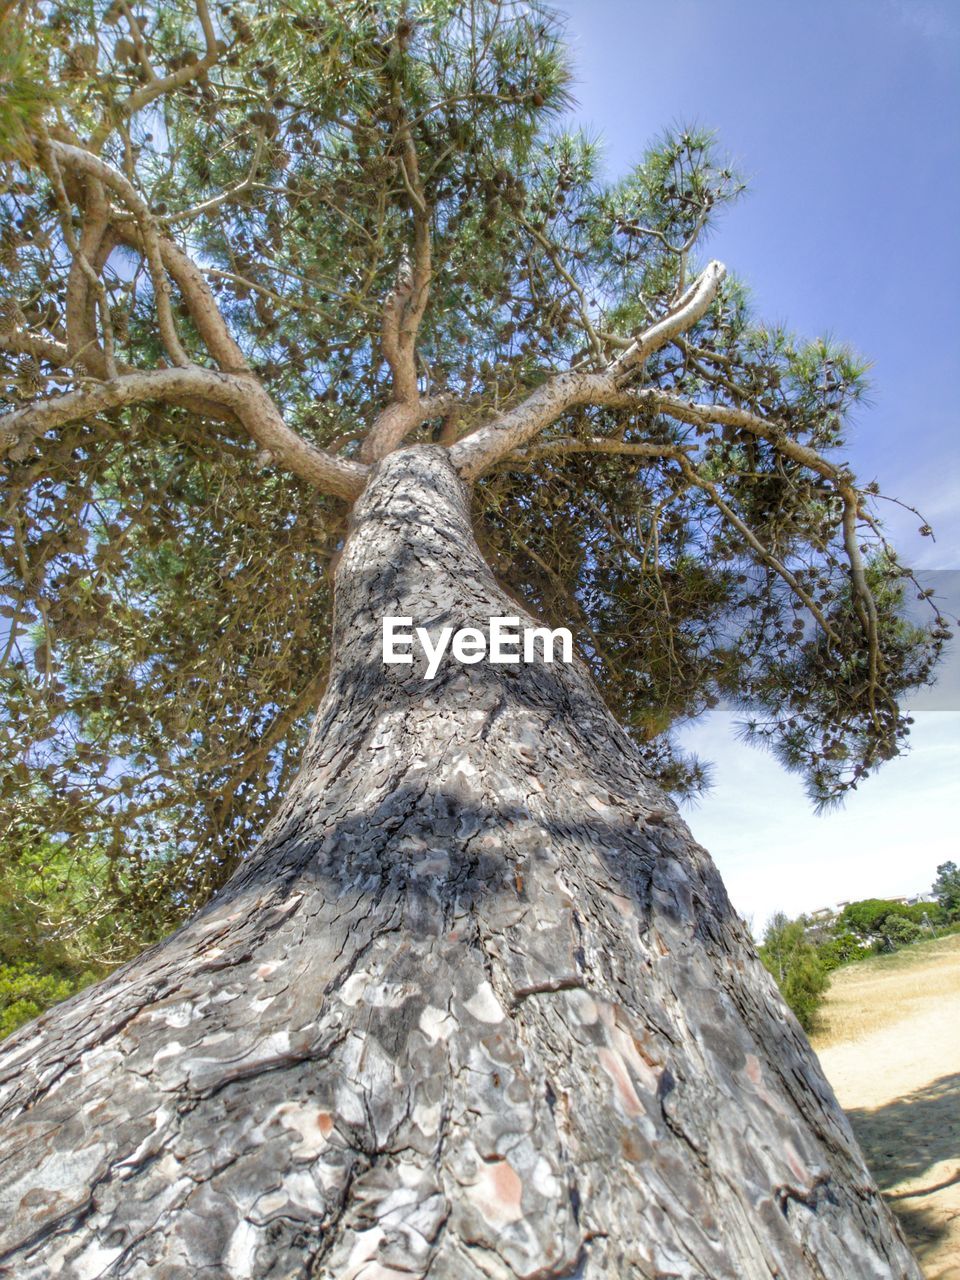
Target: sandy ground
pixel 890 1046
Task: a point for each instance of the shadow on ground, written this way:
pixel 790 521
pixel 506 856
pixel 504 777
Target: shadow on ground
pixel 904 1142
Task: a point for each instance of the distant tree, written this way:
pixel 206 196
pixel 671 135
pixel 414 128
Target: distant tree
pixel 796 965
pixel 947 888
pixel 868 915
pixel 887 923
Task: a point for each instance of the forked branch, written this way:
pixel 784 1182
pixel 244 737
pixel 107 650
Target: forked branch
pixel 85 162
pixel 512 429
pixel 406 303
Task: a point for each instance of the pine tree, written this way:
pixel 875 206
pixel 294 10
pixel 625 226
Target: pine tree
pixel 322 301
pixel 796 965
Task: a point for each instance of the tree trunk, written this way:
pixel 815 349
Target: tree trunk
pixel 476 1006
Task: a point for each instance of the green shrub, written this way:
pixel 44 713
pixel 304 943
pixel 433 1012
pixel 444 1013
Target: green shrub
pixel 796 966
pixel 26 990
pixel 899 930
pixel 54 937
pixel 842 948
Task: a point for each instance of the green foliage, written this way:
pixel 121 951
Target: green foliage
pixel 164 590
pixel 868 915
pixel 871 916
pixel 26 990
pixel 898 930
pixel 23 94
pixel 947 888
pixel 885 924
pixel 841 947
pixel 55 937
pixel 796 966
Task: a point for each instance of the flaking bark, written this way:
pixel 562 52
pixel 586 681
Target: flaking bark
pixel 477 1006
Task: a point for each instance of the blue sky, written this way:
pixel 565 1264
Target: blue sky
pixel 845 117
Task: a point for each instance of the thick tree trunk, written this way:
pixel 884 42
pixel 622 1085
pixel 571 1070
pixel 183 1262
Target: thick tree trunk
pixel 477 1006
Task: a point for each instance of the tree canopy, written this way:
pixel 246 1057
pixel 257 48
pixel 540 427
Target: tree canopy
pixel 249 249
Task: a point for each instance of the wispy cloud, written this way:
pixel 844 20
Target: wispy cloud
pixel 936 21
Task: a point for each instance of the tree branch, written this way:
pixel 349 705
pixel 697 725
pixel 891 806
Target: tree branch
pixel 82 276
pixel 553 254
pixel 207 207
pixel 406 304
pixel 600 444
pixel 685 313
pixel 240 394
pixel 157 86
pixel 863 600
pixel 698 414
pixel 754 542
pixel 510 431
pixel 478 451
pixel 234 394
pixel 18 342
pixel 394 423
pixel 203 308
pixel 85 162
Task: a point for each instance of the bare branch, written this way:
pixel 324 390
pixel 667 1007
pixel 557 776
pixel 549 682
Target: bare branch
pixel 164 257
pixel 401 362
pixel 688 309
pixel 688 244
pixel 422 274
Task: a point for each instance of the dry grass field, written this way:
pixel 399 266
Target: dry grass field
pixel 890 1046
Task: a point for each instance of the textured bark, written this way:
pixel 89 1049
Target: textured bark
pixel 477 1006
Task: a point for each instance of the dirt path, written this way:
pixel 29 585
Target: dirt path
pixel 890 1046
